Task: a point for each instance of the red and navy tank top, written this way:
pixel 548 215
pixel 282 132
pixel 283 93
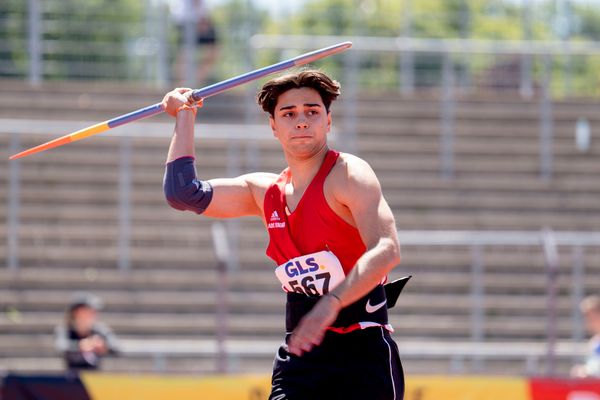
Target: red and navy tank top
pixel 313 226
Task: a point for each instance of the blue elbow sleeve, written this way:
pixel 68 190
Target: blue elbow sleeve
pixel 182 190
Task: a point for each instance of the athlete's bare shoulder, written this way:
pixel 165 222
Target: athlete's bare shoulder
pixel 351 186
pixel 258 183
pixel 351 169
pixel 260 180
pixel 351 179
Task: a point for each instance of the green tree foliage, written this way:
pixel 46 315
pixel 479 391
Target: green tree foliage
pixel 13 44
pixel 80 38
pixel 491 19
pixel 101 38
pixel 476 19
pixel 585 25
pixel 237 21
pixel 95 34
pixel 586 21
pixel 483 19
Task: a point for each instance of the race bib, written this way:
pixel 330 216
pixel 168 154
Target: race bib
pixel 313 274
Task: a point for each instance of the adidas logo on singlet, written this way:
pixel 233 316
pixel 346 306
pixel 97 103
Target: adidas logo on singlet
pixel 275 216
pixel 274 221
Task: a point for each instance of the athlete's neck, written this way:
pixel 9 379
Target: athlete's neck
pixel 304 170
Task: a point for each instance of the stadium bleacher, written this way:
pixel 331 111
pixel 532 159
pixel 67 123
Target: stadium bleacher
pixel 69 216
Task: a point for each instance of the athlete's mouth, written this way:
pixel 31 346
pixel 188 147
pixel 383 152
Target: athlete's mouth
pixel 301 137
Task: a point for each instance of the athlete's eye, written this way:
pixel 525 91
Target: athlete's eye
pixel 287 114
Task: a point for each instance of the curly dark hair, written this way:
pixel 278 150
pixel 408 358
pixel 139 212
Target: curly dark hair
pixel 328 88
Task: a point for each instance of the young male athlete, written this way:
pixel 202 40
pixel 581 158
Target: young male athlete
pixel 332 235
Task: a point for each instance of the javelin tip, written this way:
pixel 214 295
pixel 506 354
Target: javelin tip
pixel 45 146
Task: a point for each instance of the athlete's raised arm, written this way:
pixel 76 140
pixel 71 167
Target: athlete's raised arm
pixel 358 190
pixel 221 198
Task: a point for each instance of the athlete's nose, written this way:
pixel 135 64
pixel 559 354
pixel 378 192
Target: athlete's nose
pixel 301 124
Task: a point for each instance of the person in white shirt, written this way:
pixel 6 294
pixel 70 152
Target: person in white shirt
pixel 590 308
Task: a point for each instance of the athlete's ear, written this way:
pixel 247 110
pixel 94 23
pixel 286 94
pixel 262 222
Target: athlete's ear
pixel 272 123
pixel 328 121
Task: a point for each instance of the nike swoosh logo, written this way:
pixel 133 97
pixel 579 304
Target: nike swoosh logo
pixel 371 309
pixel 280 358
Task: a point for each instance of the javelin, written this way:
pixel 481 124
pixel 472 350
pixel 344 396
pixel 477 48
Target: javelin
pixel 196 95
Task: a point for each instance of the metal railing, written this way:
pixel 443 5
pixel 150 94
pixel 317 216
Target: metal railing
pixel 238 135
pixel 458 355
pixel 536 70
pixel 449 49
pixel 45 40
pixel 454 54
pixel 546 241
pixel 461 356
pixel 241 138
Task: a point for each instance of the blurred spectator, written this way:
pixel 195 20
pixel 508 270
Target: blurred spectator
pixel 83 340
pixel 205 39
pixel 503 75
pixel 590 308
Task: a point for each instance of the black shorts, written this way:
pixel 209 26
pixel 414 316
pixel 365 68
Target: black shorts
pixel 360 365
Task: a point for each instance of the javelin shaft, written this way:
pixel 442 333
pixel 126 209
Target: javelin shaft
pixel 196 95
pixel 223 86
pixel 303 59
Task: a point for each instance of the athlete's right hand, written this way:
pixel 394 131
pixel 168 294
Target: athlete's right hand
pixel 177 98
pixel 312 327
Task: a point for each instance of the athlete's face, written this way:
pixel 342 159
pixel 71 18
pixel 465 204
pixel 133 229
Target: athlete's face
pixel 301 122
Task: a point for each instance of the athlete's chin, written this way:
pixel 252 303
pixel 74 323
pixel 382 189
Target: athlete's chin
pixel 305 150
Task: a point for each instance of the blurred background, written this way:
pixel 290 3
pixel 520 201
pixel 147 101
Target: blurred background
pixel 480 118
